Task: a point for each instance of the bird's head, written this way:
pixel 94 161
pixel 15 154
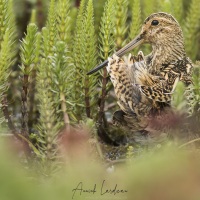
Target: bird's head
pixel 158 29
pixel 161 30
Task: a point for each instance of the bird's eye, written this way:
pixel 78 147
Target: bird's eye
pixel 155 22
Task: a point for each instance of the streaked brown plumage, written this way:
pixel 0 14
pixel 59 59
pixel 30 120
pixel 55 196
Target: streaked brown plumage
pixel 144 85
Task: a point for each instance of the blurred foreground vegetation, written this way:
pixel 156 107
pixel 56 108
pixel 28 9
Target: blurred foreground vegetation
pixel 168 173
pixel 51 111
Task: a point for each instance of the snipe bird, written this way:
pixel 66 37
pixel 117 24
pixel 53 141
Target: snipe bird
pixel 144 84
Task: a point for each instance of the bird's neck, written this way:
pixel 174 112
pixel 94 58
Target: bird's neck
pixel 166 52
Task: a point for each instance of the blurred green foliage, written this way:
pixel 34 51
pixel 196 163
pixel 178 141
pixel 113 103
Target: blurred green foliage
pixel 167 174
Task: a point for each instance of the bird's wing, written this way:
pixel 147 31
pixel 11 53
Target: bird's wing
pixel 172 74
pixel 164 88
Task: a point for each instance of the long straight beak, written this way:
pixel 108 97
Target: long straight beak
pixel 131 45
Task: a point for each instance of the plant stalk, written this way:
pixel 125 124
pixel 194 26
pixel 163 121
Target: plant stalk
pixel 25 105
pixel 87 99
pixel 64 110
pixel 103 97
